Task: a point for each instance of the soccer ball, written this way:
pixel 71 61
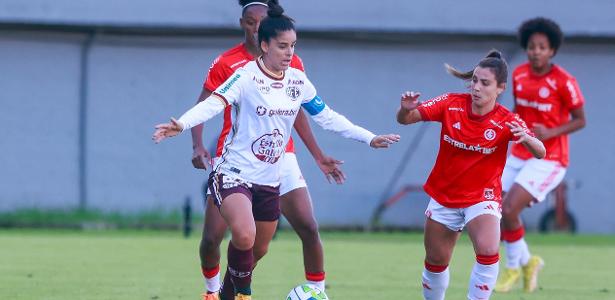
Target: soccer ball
pixel 306 292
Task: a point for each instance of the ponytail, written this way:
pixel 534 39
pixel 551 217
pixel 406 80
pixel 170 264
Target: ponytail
pixel 493 60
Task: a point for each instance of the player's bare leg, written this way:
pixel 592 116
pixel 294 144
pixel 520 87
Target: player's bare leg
pixel 439 243
pixel 214 228
pixel 297 207
pixel 236 209
pixel 519 261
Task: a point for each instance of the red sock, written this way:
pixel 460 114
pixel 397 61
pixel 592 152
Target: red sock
pixel 318 276
pixel 210 272
pixel 513 235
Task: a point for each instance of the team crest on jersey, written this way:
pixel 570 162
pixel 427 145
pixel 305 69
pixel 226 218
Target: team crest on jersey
pixel 489 134
pixel 544 92
pixel 293 92
pixel 269 147
pixel 261 110
pixel 488 194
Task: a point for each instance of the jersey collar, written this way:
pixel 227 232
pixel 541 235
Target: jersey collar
pixel 263 68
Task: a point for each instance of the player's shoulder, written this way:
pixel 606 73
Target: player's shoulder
pixel 233 57
pixel 560 72
pixel 522 70
pixel 447 97
pixel 295 73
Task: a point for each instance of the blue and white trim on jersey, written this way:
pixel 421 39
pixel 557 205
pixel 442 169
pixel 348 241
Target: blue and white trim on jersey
pixel 314 106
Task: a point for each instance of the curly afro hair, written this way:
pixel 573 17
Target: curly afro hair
pixel 541 25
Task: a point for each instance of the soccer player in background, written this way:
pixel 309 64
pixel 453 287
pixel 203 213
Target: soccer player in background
pixel 266 95
pixel 295 200
pixel 550 101
pixel 465 183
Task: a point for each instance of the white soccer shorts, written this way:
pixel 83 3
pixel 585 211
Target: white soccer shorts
pixel 537 176
pixel 456 218
pixel 290 174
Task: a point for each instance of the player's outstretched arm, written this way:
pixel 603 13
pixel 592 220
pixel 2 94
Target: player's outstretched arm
pixel 328 165
pixel 407 113
pixel 532 144
pixel 330 120
pixel 198 114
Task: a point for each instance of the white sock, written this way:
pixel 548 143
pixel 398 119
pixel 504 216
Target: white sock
pixel 435 284
pixel 319 284
pixel 213 284
pixel 482 280
pixel 517 254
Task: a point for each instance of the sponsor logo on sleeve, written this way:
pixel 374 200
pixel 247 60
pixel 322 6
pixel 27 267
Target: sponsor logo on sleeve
pixel 261 110
pixel 229 84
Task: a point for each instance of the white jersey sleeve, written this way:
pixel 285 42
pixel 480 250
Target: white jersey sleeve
pixel 330 120
pixel 202 112
pixel 226 94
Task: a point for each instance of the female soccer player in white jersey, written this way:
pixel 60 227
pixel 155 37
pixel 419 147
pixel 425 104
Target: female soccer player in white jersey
pixel 465 184
pixel 295 201
pixel 266 94
pixel 550 101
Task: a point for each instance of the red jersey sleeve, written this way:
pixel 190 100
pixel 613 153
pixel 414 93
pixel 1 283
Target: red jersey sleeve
pixel 571 94
pixel 433 109
pixel 217 74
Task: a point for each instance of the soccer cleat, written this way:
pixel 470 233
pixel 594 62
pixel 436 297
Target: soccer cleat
pixel 212 296
pixel 243 297
pixel 530 273
pixel 507 280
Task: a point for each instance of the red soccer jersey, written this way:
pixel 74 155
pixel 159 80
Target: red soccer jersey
pixel 473 150
pixel 546 100
pixel 221 69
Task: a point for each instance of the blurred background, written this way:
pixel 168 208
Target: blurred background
pixel 82 84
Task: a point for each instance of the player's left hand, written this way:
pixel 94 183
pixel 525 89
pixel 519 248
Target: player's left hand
pixel 384 140
pixel 541 132
pixel 519 132
pixel 331 168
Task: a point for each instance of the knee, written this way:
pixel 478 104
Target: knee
pixel 244 239
pixel 211 241
pixel 308 231
pixel 437 259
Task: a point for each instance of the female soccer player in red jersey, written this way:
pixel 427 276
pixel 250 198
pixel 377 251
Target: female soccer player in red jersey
pixel 295 201
pixel 266 94
pixel 465 183
pixel 550 101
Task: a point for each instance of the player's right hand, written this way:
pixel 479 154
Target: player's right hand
pixel 200 157
pixel 166 130
pixel 410 100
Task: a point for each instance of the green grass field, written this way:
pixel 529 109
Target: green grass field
pixel 152 265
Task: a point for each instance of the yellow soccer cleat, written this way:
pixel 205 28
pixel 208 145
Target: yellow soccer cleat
pixel 530 273
pixel 507 280
pixel 212 296
pixel 243 297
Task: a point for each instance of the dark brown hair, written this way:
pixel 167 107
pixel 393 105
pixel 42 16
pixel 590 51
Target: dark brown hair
pixel 545 26
pixel 494 61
